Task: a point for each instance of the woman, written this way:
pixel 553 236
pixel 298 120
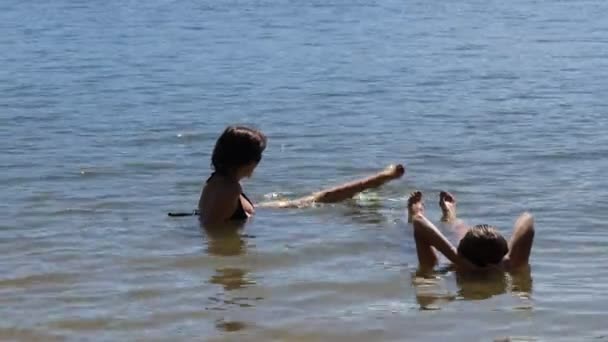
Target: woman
pixel 236 154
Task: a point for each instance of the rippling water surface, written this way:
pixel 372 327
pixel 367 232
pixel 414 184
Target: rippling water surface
pixel 109 110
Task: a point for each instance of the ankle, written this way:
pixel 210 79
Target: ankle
pixel 448 217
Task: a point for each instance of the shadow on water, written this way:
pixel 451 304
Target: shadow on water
pixel 228 241
pixel 367 209
pixel 432 289
pixel 366 213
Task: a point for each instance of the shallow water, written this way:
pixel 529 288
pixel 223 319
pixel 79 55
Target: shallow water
pixel 108 113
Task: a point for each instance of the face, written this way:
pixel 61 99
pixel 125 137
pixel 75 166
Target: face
pixel 247 170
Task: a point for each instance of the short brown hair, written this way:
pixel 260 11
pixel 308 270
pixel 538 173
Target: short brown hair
pixel 236 147
pixel 483 245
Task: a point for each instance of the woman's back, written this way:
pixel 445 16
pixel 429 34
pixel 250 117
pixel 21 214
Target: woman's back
pixel 223 198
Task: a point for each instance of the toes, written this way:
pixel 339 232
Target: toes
pixel 415 197
pixel 395 170
pixel 399 170
pixel 445 196
pixel 449 197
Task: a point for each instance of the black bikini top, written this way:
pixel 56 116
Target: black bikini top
pixel 239 213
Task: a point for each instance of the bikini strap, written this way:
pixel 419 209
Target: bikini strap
pixel 247 198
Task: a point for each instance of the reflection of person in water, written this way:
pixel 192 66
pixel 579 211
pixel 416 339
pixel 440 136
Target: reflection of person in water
pixel 475 286
pixel 227 243
pixel 236 155
pixel 471 286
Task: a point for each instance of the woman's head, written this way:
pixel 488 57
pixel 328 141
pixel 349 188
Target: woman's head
pixel 238 151
pixel 483 245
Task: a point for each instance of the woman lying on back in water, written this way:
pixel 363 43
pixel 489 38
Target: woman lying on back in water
pixel 480 248
pixel 236 154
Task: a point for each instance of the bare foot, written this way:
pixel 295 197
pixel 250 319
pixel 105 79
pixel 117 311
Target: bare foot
pixel 394 171
pixel 447 202
pixel 415 205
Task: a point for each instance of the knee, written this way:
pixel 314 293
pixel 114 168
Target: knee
pixel 526 218
pixel 321 197
pixel 526 222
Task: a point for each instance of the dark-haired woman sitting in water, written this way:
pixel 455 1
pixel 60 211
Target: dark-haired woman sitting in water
pixel 236 154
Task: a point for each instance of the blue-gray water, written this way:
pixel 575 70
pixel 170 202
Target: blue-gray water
pixel 109 111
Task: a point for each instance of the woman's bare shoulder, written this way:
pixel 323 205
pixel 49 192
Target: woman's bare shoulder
pixel 218 191
pixel 221 186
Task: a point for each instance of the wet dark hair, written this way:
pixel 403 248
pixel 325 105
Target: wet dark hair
pixel 483 245
pixel 236 147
